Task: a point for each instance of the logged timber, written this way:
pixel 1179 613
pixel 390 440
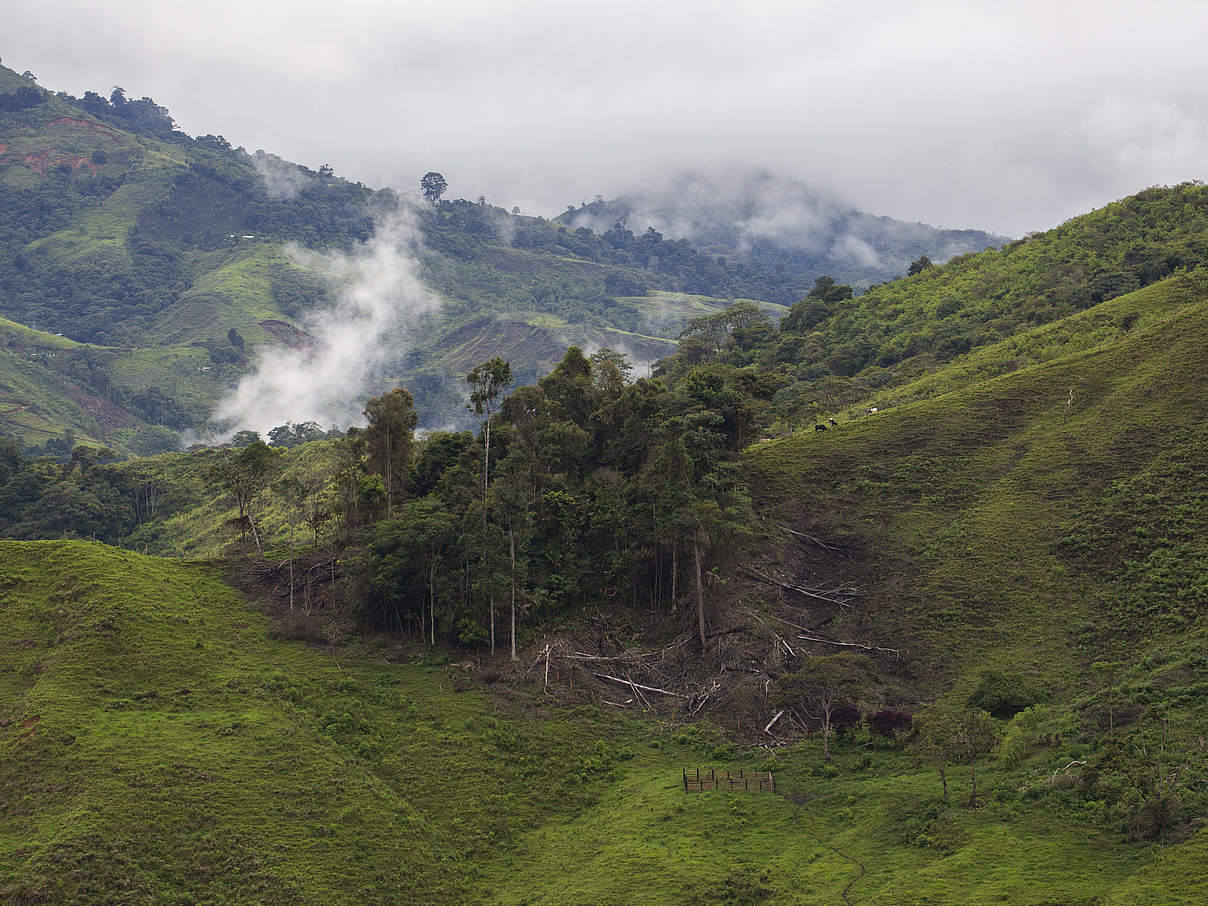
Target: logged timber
pixel 860 645
pixel 817 541
pixel 772 722
pixel 626 682
pixel 817 595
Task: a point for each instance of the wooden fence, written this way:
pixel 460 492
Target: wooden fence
pixel 697 781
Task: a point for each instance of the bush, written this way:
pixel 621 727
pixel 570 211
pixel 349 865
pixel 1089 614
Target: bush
pixel 1003 695
pixel 845 719
pixel 889 723
pixel 1154 816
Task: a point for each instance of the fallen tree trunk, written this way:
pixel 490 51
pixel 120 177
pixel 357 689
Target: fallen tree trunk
pixel 817 595
pixel 772 722
pixel 817 541
pixel 627 682
pixel 860 645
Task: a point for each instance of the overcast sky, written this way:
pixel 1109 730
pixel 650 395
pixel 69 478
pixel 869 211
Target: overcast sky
pixel 1003 116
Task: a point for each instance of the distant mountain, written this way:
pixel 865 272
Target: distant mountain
pixel 151 249
pixel 780 226
pixel 887 345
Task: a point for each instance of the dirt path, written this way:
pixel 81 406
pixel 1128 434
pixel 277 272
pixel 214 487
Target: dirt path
pixel 838 852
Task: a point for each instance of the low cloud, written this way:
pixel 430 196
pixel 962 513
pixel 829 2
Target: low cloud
pixel 735 210
pixel 380 302
pixel 282 179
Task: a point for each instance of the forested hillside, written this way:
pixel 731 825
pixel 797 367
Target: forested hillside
pixel 119 231
pixel 779 226
pixel 1021 555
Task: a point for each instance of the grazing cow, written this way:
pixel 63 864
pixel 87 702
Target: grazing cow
pixel 819 427
pixel 872 411
pixel 835 423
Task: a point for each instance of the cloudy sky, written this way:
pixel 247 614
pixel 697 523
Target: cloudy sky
pixel 1003 116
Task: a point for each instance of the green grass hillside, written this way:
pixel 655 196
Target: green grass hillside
pixel 834 351
pixel 980 513
pixel 1047 525
pixel 161 745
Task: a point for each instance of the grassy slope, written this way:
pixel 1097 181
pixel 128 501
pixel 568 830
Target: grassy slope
pixel 235 290
pixel 159 746
pixel 33 404
pixel 960 500
pixel 1085 330
pixel 193 512
pixel 996 529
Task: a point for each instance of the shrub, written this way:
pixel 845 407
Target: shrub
pixel 1154 816
pixel 1003 695
pixel 889 723
pixel 845 719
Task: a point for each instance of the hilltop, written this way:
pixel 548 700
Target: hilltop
pixel 780 226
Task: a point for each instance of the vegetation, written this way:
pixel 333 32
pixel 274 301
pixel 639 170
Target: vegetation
pixel 222 761
pixel 984 558
pixel 834 351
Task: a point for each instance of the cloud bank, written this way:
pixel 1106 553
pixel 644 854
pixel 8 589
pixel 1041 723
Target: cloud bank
pixel 735 210
pixel 1005 117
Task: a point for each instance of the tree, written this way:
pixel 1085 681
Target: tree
pixel 487 382
pixel 244 475
pixel 917 267
pixel 433 185
pixel 511 500
pixel 824 684
pixel 244 438
pixel 934 739
pixel 429 528
pixel 391 439
pixel 712 331
pixel 977 732
pixel 350 452
pixel 610 372
pixel 943 734
pixel 235 339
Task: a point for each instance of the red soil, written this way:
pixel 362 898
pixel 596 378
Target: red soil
pixel 286 333
pixel 87 124
pixel 42 160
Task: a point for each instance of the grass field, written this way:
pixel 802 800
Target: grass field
pixel 161 745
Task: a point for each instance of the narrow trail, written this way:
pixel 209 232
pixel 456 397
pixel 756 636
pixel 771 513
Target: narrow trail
pixel 838 852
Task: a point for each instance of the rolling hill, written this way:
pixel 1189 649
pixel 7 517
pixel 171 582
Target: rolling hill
pixel 163 743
